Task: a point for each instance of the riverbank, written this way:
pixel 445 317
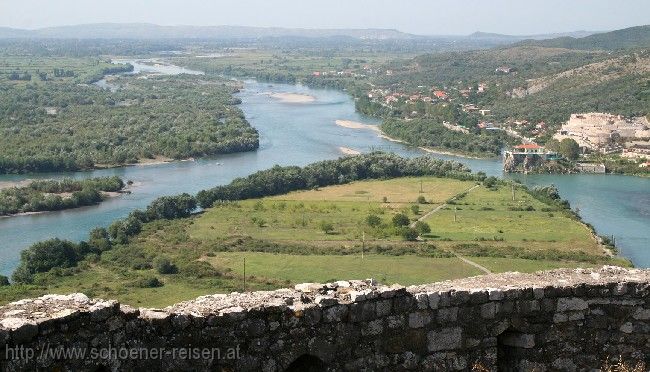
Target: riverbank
pixel 349 151
pixel 105 196
pixel 357 125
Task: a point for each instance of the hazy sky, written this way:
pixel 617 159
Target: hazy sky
pixel 414 16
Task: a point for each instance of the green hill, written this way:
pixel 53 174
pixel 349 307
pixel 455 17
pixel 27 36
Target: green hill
pixel 633 37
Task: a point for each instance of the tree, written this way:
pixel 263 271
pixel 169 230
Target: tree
pixel 373 220
pixel 171 207
pixel 421 200
pixel 422 227
pixel 99 240
pixel 4 281
pixel 415 209
pixel 45 255
pixel 400 220
pixel 569 148
pixel 490 182
pixel 409 234
pixel 327 227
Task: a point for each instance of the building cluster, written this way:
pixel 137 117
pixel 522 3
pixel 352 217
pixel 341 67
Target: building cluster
pixel 607 134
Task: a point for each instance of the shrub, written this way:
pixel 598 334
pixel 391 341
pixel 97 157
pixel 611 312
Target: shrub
pixel 164 266
pixel 421 199
pixel 99 240
pixel 373 220
pixel 148 282
pixel 422 227
pixel 327 227
pixel 400 219
pixel 44 256
pixel 4 281
pixel 409 234
pixel 415 209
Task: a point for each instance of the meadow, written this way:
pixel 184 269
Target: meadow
pixel 282 242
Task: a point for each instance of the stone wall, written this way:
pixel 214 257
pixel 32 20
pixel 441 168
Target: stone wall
pixel 557 320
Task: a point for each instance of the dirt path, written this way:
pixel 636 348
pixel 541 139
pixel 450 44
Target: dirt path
pixel 436 209
pixel 470 262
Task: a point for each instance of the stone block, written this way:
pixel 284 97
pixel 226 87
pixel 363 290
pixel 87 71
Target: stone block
pixel 22 330
pixel 571 304
pixel 489 310
pixel 434 299
pixel 419 319
pixel 422 301
pixel 447 315
pixel 445 339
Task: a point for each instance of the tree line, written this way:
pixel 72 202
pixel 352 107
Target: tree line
pixel 50 195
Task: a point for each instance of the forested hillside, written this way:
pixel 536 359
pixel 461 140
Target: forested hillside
pixel 633 37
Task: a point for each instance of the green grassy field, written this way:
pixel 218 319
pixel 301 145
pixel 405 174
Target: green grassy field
pixel 325 268
pixel 208 249
pixel 493 215
pixel 297 216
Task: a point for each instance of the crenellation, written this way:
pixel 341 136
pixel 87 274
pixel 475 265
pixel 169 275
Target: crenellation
pixel 450 325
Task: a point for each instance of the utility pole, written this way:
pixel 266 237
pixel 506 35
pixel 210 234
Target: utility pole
pixel 363 243
pixel 421 190
pixel 513 191
pixel 454 213
pixel 244 274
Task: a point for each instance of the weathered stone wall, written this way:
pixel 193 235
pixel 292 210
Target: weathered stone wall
pixel 557 320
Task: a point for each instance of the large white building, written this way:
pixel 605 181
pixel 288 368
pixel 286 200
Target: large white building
pixel 604 132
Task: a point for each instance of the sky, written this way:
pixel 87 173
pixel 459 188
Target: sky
pixel 425 17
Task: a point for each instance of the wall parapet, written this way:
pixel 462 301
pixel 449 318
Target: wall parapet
pixel 554 320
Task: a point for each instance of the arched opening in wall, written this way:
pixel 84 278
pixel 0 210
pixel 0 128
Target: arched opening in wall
pixel 512 348
pixel 307 363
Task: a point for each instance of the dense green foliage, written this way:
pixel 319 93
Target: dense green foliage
pixel 429 133
pixel 56 123
pixel 44 256
pixel 53 195
pixel 280 180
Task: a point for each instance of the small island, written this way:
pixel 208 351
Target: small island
pixel 54 195
pixel 293 97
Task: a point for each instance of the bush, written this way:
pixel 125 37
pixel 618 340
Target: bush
pixel 99 240
pixel 171 207
pixel 415 209
pixel 327 227
pixel 148 282
pixel 44 256
pixel 373 220
pixel 409 234
pixel 164 266
pixel 4 281
pixel 400 220
pixel 422 227
pixel 421 200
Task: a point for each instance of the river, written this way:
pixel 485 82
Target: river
pixel 299 134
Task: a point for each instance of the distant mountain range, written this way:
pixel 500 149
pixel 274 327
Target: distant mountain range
pixel 630 37
pixel 493 36
pixel 151 31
